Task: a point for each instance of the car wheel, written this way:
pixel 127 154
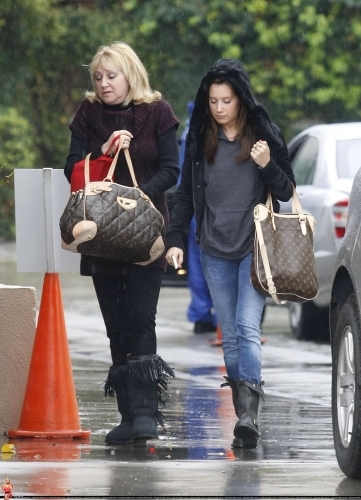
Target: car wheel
pixel 308 322
pixel 346 407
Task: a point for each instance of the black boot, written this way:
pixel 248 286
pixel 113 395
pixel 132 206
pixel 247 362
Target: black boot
pixel 245 397
pixel 147 381
pixel 116 383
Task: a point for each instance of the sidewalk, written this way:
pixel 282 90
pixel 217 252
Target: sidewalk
pixel 193 456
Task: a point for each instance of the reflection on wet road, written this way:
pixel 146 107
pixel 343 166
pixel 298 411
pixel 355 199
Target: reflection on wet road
pixel 193 455
pixel 199 426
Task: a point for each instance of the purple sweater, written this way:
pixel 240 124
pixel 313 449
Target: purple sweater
pixel 156 168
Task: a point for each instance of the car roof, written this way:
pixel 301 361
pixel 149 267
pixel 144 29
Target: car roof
pixel 341 131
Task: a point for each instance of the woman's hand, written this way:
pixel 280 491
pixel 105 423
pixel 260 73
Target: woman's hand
pixel 110 149
pixel 174 257
pixel 260 153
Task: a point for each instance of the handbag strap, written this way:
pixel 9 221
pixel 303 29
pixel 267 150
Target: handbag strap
pixel 129 163
pixel 266 265
pixel 87 169
pixel 87 161
pixel 112 143
pixel 110 173
pixel 296 204
pixel 296 209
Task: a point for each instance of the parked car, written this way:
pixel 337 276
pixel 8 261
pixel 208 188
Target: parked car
pixel 345 330
pixel 325 159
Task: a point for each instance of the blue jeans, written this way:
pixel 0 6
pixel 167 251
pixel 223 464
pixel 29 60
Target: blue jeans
pixel 239 311
pixel 201 305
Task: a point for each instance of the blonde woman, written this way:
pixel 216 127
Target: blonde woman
pixel 7 488
pixel 122 102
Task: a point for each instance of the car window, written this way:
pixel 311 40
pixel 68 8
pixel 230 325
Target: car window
pixel 348 157
pixel 305 160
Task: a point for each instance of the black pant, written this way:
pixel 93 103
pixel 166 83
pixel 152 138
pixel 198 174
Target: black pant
pixel 129 306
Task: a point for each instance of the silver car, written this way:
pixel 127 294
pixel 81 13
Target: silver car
pixel 345 329
pixel 325 159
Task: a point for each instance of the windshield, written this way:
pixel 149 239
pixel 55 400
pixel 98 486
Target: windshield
pixel 348 158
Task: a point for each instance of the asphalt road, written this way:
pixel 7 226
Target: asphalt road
pixel 193 456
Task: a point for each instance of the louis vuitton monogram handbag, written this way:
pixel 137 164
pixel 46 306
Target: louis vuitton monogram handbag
pixel 109 220
pixel 283 262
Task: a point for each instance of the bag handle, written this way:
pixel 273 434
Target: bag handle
pixel 129 163
pixel 112 143
pixel 109 176
pixel 296 209
pixel 87 162
pixel 296 204
pixel 266 265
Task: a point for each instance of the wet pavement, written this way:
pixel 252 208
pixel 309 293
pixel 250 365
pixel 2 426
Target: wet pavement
pixel 193 457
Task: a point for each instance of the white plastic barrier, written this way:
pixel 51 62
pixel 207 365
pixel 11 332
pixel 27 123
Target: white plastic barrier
pixel 40 199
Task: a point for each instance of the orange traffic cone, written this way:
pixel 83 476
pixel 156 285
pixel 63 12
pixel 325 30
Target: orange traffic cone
pixel 50 407
pixel 218 341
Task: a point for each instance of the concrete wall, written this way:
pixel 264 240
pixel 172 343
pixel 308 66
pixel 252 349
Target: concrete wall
pixel 17 332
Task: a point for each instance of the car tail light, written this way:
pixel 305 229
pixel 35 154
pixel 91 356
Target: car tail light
pixel 340 218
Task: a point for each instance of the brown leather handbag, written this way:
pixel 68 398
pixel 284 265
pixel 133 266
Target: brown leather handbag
pixel 113 221
pixel 283 261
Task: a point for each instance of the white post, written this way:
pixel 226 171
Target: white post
pixel 49 220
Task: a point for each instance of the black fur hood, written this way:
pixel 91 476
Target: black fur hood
pixel 239 79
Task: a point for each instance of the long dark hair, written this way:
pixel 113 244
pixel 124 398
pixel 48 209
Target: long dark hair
pixel 246 135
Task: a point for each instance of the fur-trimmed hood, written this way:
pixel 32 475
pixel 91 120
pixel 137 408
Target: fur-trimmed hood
pixel 237 76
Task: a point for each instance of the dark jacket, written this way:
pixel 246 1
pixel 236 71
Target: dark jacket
pixel 277 176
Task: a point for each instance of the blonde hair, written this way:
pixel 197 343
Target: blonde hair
pixel 119 56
